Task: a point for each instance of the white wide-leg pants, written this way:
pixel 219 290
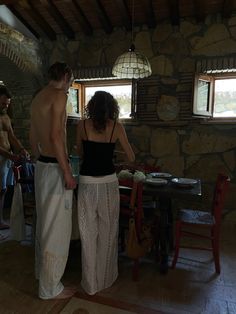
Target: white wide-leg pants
pixel 98 216
pixel 53 228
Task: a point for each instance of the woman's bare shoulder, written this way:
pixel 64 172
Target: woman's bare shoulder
pixel 119 125
pixel 80 123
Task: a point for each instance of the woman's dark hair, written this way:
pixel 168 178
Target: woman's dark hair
pixel 101 107
pixel 4 91
pixel 57 71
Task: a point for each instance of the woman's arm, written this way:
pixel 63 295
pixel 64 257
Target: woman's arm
pixel 123 139
pixel 15 142
pixel 79 133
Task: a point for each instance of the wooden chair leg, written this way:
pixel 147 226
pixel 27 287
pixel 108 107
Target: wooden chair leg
pixel 122 239
pixel 135 270
pixel 156 237
pixel 216 253
pixel 170 230
pixel 177 243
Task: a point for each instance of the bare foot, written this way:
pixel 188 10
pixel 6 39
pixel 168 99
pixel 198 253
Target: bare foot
pixel 4 226
pixel 67 292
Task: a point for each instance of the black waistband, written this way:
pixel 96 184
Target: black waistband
pixel 47 159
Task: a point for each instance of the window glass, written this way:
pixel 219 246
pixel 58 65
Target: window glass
pixel 203 95
pixel 225 98
pixel 122 93
pixel 203 92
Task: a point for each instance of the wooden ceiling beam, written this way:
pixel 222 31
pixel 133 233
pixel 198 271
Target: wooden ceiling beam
pixel 199 6
pixel 8 2
pixel 35 15
pixel 22 20
pixel 124 13
pixel 147 6
pixel 227 8
pixel 174 12
pixel 102 16
pixel 80 17
pixel 59 18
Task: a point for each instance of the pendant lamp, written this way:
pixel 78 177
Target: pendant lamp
pixel 132 64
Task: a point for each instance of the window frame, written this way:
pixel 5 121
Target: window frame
pixel 78 114
pixel 208 112
pixel 82 84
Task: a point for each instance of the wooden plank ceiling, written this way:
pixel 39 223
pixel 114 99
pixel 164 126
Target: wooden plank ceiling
pixel 49 18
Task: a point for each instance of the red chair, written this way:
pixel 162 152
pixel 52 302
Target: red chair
pixel 148 204
pixel 202 220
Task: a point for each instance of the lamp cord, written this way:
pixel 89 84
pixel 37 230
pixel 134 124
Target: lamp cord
pixel 132 47
pixel 132 22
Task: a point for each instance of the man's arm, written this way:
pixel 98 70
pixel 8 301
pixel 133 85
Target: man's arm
pixel 57 137
pixel 15 143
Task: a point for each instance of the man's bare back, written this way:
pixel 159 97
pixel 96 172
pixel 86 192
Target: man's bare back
pixel 41 116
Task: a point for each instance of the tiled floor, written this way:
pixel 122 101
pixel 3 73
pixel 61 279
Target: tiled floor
pixel 193 287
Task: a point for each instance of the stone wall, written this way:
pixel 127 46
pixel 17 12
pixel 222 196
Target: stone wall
pixel 22 85
pixel 188 148
pixel 169 137
pixel 21 72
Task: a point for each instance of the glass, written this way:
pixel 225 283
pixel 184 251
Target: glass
pixel 74 162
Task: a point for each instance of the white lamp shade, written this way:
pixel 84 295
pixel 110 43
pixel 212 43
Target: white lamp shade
pixel 131 65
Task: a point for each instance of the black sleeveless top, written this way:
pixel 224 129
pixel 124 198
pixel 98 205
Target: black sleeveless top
pixel 98 157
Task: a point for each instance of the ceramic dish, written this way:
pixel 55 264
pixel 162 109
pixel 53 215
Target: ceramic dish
pixel 184 181
pixel 159 175
pixel 156 181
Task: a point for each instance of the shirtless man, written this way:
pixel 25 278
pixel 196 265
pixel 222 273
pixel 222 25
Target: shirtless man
pixel 54 183
pixel 8 142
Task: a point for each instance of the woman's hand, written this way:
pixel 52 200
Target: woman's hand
pixel 24 153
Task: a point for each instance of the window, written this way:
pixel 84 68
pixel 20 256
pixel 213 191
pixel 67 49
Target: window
pixel 215 96
pixel 82 91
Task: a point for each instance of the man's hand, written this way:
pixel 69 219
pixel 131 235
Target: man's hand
pixel 14 157
pixel 70 181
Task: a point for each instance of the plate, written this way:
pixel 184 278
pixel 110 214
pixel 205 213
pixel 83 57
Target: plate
pixel 159 175
pixel 184 181
pixel 156 181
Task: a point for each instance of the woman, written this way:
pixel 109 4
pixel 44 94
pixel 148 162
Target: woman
pixel 98 194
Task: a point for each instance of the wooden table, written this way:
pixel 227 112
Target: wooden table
pixel 164 194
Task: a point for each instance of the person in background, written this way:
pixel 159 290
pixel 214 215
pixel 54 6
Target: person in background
pixel 98 192
pixel 11 150
pixel 54 182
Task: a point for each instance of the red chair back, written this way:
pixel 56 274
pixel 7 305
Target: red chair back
pixel 132 201
pixel 221 188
